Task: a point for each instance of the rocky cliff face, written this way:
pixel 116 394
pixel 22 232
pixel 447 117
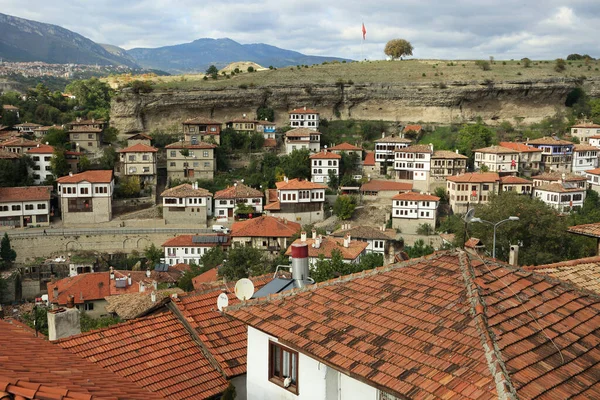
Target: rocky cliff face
pixel 409 102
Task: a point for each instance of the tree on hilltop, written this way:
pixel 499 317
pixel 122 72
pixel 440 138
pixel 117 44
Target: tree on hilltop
pixel 397 48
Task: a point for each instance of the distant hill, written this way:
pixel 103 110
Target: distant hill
pixel 25 40
pixel 198 55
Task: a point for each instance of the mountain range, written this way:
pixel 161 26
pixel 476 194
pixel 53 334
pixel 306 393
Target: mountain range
pixel 26 40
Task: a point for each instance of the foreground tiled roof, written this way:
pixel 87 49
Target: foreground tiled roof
pixel 377 185
pixel 296 184
pixel 447 154
pixel 238 191
pixel 444 326
pixel 595 171
pixel 132 305
pixel 92 176
pixel 139 148
pixel 345 147
pixel 157 353
pixel 265 226
pixel 25 193
pixel 329 244
pixel 185 190
pixel 224 338
pixel 592 230
pixel 584 272
pixel 520 147
pixel 366 232
pixel 476 177
pixel 33 368
pixel 414 196
pixel 416 128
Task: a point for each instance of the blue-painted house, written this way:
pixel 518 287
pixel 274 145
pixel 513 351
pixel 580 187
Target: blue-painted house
pixel 557 154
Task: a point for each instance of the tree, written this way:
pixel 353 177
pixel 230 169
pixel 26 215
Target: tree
pixel 58 164
pixel 84 163
pixel 56 137
pixel 397 48
pixel 109 158
pixel 324 269
pixel 265 113
pixel 130 186
pixel 7 254
pixel 243 262
pixel 484 65
pixel 186 282
pixel 139 86
pixel 526 62
pixel 419 249
pixel 243 208
pixel 213 258
pixel 251 69
pixel 344 207
pixel 471 137
pixel 370 261
pixel 153 254
pixel 110 135
pixel 212 70
pixel 92 95
pixel 333 179
pixel 425 230
pixel 297 164
pixel 560 65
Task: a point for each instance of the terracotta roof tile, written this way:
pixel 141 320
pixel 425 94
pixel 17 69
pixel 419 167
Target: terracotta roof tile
pixel 393 139
pixel 366 233
pixel 415 128
pixel 586 125
pixel 558 188
pixel 188 145
pixel 208 276
pixel 550 141
pixel 297 184
pixel 188 241
pixel 156 352
pixel 87 122
pixel 301 132
pixel 509 179
pixel 186 190
pixel 140 136
pixel 345 147
pixel 265 226
pixel 41 149
pixel 496 150
pixel 556 176
pixel 139 148
pixel 584 147
pixel 416 148
pixel 447 154
pixel 201 121
pixel 84 129
pixel 584 272
pixel 377 185
pixel 414 196
pixel 273 206
pixel 369 159
pixel 238 191
pixel 39 369
pixel 328 244
pixel 595 171
pixel 25 193
pixel 303 110
pixel 133 305
pixel 19 142
pixel 474 243
pixel 592 230
pixel 92 176
pixel 270 143
pixel 8 155
pixel 520 147
pixel 476 177
pixel 325 154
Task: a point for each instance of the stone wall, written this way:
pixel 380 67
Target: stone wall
pixel 188 216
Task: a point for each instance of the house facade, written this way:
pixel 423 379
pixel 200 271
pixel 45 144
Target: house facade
pixel 139 138
pixel 379 240
pixel 413 163
pixel 88 140
pixel 380 188
pixel 560 196
pixel 18 145
pixel 304 118
pixel 557 155
pixel 228 200
pixel 202 130
pixel 188 249
pixel 385 148
pixel 138 160
pixel 242 124
pixel 322 163
pixel 27 127
pixel 298 201
pixel 323 247
pixel 515 184
pixel 410 210
pixel 41 156
pixel 25 206
pixel 593 179
pixel 447 163
pixel 266 233
pixel 584 131
pixel 190 161
pixel 467 190
pixel 530 158
pixel 498 159
pixel 86 197
pixel 585 157
pixel 187 205
pixel 346 148
pixel 302 138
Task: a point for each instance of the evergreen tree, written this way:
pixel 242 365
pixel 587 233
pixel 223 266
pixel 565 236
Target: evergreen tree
pixel 7 254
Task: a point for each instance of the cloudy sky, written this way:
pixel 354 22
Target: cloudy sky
pixel 542 29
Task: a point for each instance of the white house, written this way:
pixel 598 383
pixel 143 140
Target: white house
pixel 593 179
pixel 411 209
pixel 467 190
pixel 187 204
pixel 585 157
pixel 385 148
pixel 515 184
pixel 498 159
pixel 561 196
pixel 584 131
pixel 189 249
pixel 298 200
pixel 41 156
pixel 25 206
pixel 86 198
pixel 323 162
pixel 413 163
pixel 302 138
pixel 379 240
pixel 530 158
pixel 323 246
pixel 304 118
pixel 594 141
pixel 227 200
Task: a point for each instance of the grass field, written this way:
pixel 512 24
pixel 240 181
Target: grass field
pixel 413 71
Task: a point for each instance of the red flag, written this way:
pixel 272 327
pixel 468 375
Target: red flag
pixel 364 31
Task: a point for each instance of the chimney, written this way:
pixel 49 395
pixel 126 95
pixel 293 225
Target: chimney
pixel 62 323
pixel 285 179
pixel 456 151
pixel 71 173
pixel 129 279
pixel 431 146
pixel 148 273
pixel 155 285
pixel 71 301
pixel 142 287
pixel 300 263
pixel 55 293
pixel 314 233
pixel 303 236
pixel 563 178
pixel 111 273
pixel 318 242
pixel 382 135
pixel 347 240
pixel 304 108
pixel 513 257
pixel 153 297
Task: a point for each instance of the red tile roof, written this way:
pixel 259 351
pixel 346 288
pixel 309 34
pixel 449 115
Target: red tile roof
pixel 185 190
pixel 208 276
pixel 444 326
pixel 92 176
pixel 265 226
pixel 415 128
pixel 366 233
pixel 301 132
pixel 329 244
pixel 446 154
pixel 369 159
pixel 140 136
pixel 474 243
pixel 414 196
pixel 520 147
pixel 496 150
pixel 201 121
pixel 592 230
pixel 584 147
pixel 238 191
pixel 33 368
pixel 416 148
pixel 376 185
pixel 303 110
pixel 345 147
pixel 139 148
pixel 508 180
pixel 41 149
pixel 476 177
pixel 224 338
pixel 25 193
pixel 586 125
pixel 10 107
pixel 86 122
pixel 188 145
pixel 271 195
pixel 393 139
pixel 8 155
pixel 595 171
pixel 297 184
pixel 270 143
pixel 558 188
pixel 550 141
pixel 584 272
pixel 556 176
pixel 19 142
pixel 188 241
pixel 274 206
pixel 325 154
pixel 157 353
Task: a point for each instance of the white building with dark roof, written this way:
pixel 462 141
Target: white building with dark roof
pixel 187 204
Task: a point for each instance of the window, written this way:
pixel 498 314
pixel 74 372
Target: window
pixel 132 157
pixel 172 164
pixel 283 363
pixel 41 206
pixel 205 154
pixel 145 157
pixel 88 306
pixel 173 153
pixel 83 190
pixel 29 206
pixel 36 158
pixel 16 208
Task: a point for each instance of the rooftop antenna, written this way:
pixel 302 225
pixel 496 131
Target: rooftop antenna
pixel 244 289
pixel 222 301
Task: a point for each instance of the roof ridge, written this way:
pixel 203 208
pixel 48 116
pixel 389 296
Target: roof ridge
pixel 504 386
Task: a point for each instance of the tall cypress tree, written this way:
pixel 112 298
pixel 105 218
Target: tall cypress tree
pixel 7 254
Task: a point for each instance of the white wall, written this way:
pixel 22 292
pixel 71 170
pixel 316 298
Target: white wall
pixel 316 381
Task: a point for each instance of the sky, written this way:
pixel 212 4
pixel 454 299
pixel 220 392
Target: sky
pixel 463 29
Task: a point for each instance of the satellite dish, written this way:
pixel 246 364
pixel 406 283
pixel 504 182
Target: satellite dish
pixel 222 301
pixel 244 289
pixel 469 215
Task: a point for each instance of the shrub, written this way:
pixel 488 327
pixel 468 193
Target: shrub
pixel 560 65
pixel 251 69
pixel 424 74
pixel 243 86
pixel 484 65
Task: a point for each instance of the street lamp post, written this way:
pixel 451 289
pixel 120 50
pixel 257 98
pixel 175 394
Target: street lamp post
pixel 511 218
